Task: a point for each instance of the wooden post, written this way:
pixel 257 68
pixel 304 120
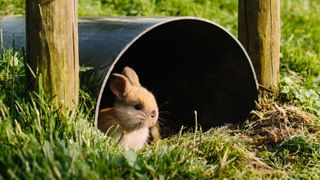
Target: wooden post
pixel 259 32
pixel 52 48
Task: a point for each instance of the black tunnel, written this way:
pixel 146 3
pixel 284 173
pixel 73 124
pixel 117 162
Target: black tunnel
pixel 190 64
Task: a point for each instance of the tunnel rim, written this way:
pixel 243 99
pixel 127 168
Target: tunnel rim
pixel 150 28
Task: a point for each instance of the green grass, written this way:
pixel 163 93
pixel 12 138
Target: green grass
pixel 300 54
pixel 38 141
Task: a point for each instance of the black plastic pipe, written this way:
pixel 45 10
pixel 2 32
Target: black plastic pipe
pixel 188 63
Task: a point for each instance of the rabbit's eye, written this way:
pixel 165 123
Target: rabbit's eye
pixel 138 106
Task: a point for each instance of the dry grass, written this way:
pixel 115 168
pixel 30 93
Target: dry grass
pixel 272 122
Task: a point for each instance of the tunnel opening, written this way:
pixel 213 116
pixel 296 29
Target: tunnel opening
pixel 191 65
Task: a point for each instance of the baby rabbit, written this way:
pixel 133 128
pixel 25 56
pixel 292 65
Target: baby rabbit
pixel 134 112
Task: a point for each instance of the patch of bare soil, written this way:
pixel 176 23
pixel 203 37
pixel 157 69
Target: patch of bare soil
pixel 272 123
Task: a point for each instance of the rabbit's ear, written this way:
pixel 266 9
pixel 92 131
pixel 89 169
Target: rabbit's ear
pixel 132 76
pixel 119 85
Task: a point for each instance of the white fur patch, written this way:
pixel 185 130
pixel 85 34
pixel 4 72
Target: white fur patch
pixel 135 139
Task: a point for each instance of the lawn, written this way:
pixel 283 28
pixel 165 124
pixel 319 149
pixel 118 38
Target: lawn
pixel 280 139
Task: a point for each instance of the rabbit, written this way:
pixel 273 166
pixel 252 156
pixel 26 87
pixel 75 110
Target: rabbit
pixel 134 112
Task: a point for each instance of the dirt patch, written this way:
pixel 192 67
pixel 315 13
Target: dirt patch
pixel 272 123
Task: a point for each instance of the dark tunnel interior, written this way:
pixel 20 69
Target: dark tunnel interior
pixel 191 66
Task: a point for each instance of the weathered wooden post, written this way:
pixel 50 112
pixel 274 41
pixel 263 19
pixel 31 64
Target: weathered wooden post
pixel 259 32
pixel 52 48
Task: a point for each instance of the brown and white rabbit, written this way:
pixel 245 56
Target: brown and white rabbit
pixel 134 112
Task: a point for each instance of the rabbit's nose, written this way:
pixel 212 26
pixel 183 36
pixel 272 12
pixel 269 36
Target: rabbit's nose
pixel 153 114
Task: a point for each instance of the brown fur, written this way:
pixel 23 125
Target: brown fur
pixel 124 115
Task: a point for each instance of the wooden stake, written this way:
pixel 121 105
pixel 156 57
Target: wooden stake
pixel 52 48
pixel 259 32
